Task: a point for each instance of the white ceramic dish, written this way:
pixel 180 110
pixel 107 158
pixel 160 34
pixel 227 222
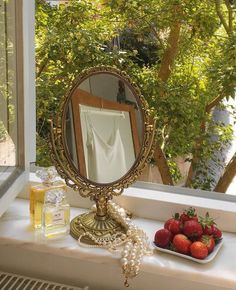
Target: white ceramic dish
pixel 204 261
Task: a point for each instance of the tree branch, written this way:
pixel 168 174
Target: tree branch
pixel 220 15
pixel 230 15
pixel 41 67
pixel 227 177
pixel 198 141
pixel 214 102
pixel 164 73
pixel 170 52
pixel 162 165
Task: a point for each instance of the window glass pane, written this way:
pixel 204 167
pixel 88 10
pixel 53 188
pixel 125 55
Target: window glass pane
pixel 184 65
pixel 8 96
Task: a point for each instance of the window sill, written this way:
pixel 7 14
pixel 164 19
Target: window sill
pixel 154 202
pixel 160 205
pixel 64 261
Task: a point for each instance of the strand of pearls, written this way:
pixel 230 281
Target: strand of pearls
pixel 110 243
pixel 136 245
pixel 135 242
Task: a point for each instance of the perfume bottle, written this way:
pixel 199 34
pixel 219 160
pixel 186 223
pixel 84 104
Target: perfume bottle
pixel 56 213
pixel 37 193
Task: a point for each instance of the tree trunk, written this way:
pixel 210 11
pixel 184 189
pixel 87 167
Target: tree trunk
pixel 162 165
pixel 170 52
pixel 163 74
pixel 228 176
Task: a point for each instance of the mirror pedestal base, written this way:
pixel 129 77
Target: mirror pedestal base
pixel 99 231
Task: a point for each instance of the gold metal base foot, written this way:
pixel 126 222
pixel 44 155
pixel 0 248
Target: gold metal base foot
pixel 99 228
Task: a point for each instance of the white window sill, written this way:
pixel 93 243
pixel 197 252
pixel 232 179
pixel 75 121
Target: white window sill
pixel 100 268
pixel 158 204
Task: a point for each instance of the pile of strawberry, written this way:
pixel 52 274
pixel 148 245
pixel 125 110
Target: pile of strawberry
pixel 188 234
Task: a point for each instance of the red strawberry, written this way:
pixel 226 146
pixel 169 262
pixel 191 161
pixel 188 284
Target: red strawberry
pixel 192 229
pixel 207 224
pixel 163 238
pixel 209 242
pixel 188 214
pixel 181 244
pixel 217 234
pixel 173 225
pixel 198 250
pixel 208 230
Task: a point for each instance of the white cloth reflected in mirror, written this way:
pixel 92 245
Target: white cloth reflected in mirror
pixel 105 157
pixel 108 143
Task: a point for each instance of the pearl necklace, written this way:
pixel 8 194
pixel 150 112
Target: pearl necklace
pixel 135 242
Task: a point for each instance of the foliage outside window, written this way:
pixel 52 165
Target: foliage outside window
pixel 181 54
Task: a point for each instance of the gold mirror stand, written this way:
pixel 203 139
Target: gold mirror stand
pixel 101 226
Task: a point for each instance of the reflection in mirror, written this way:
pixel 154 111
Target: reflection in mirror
pixel 8 102
pixel 103 128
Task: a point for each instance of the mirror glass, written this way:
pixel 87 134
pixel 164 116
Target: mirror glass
pixel 103 127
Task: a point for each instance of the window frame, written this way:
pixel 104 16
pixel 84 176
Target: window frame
pixel 20 164
pixel 168 199
pixel 25 91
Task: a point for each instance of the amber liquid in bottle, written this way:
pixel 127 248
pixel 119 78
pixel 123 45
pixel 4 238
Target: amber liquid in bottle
pixel 37 194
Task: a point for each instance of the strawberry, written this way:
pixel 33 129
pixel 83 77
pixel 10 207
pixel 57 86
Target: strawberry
pixel 207 224
pixel 163 237
pixel 188 214
pixel 198 250
pixel 192 229
pixel 173 225
pixel 181 244
pixel 217 234
pixel 209 242
pixel 208 230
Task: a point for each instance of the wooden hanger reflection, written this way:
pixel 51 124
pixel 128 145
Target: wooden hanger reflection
pixel 103 112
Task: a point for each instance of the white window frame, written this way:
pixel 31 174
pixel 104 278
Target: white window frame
pixel 26 102
pixel 153 201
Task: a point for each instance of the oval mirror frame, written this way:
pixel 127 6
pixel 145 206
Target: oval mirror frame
pixel 102 109
pixel 99 192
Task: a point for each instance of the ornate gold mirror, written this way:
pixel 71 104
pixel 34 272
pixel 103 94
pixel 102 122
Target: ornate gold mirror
pixel 101 141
